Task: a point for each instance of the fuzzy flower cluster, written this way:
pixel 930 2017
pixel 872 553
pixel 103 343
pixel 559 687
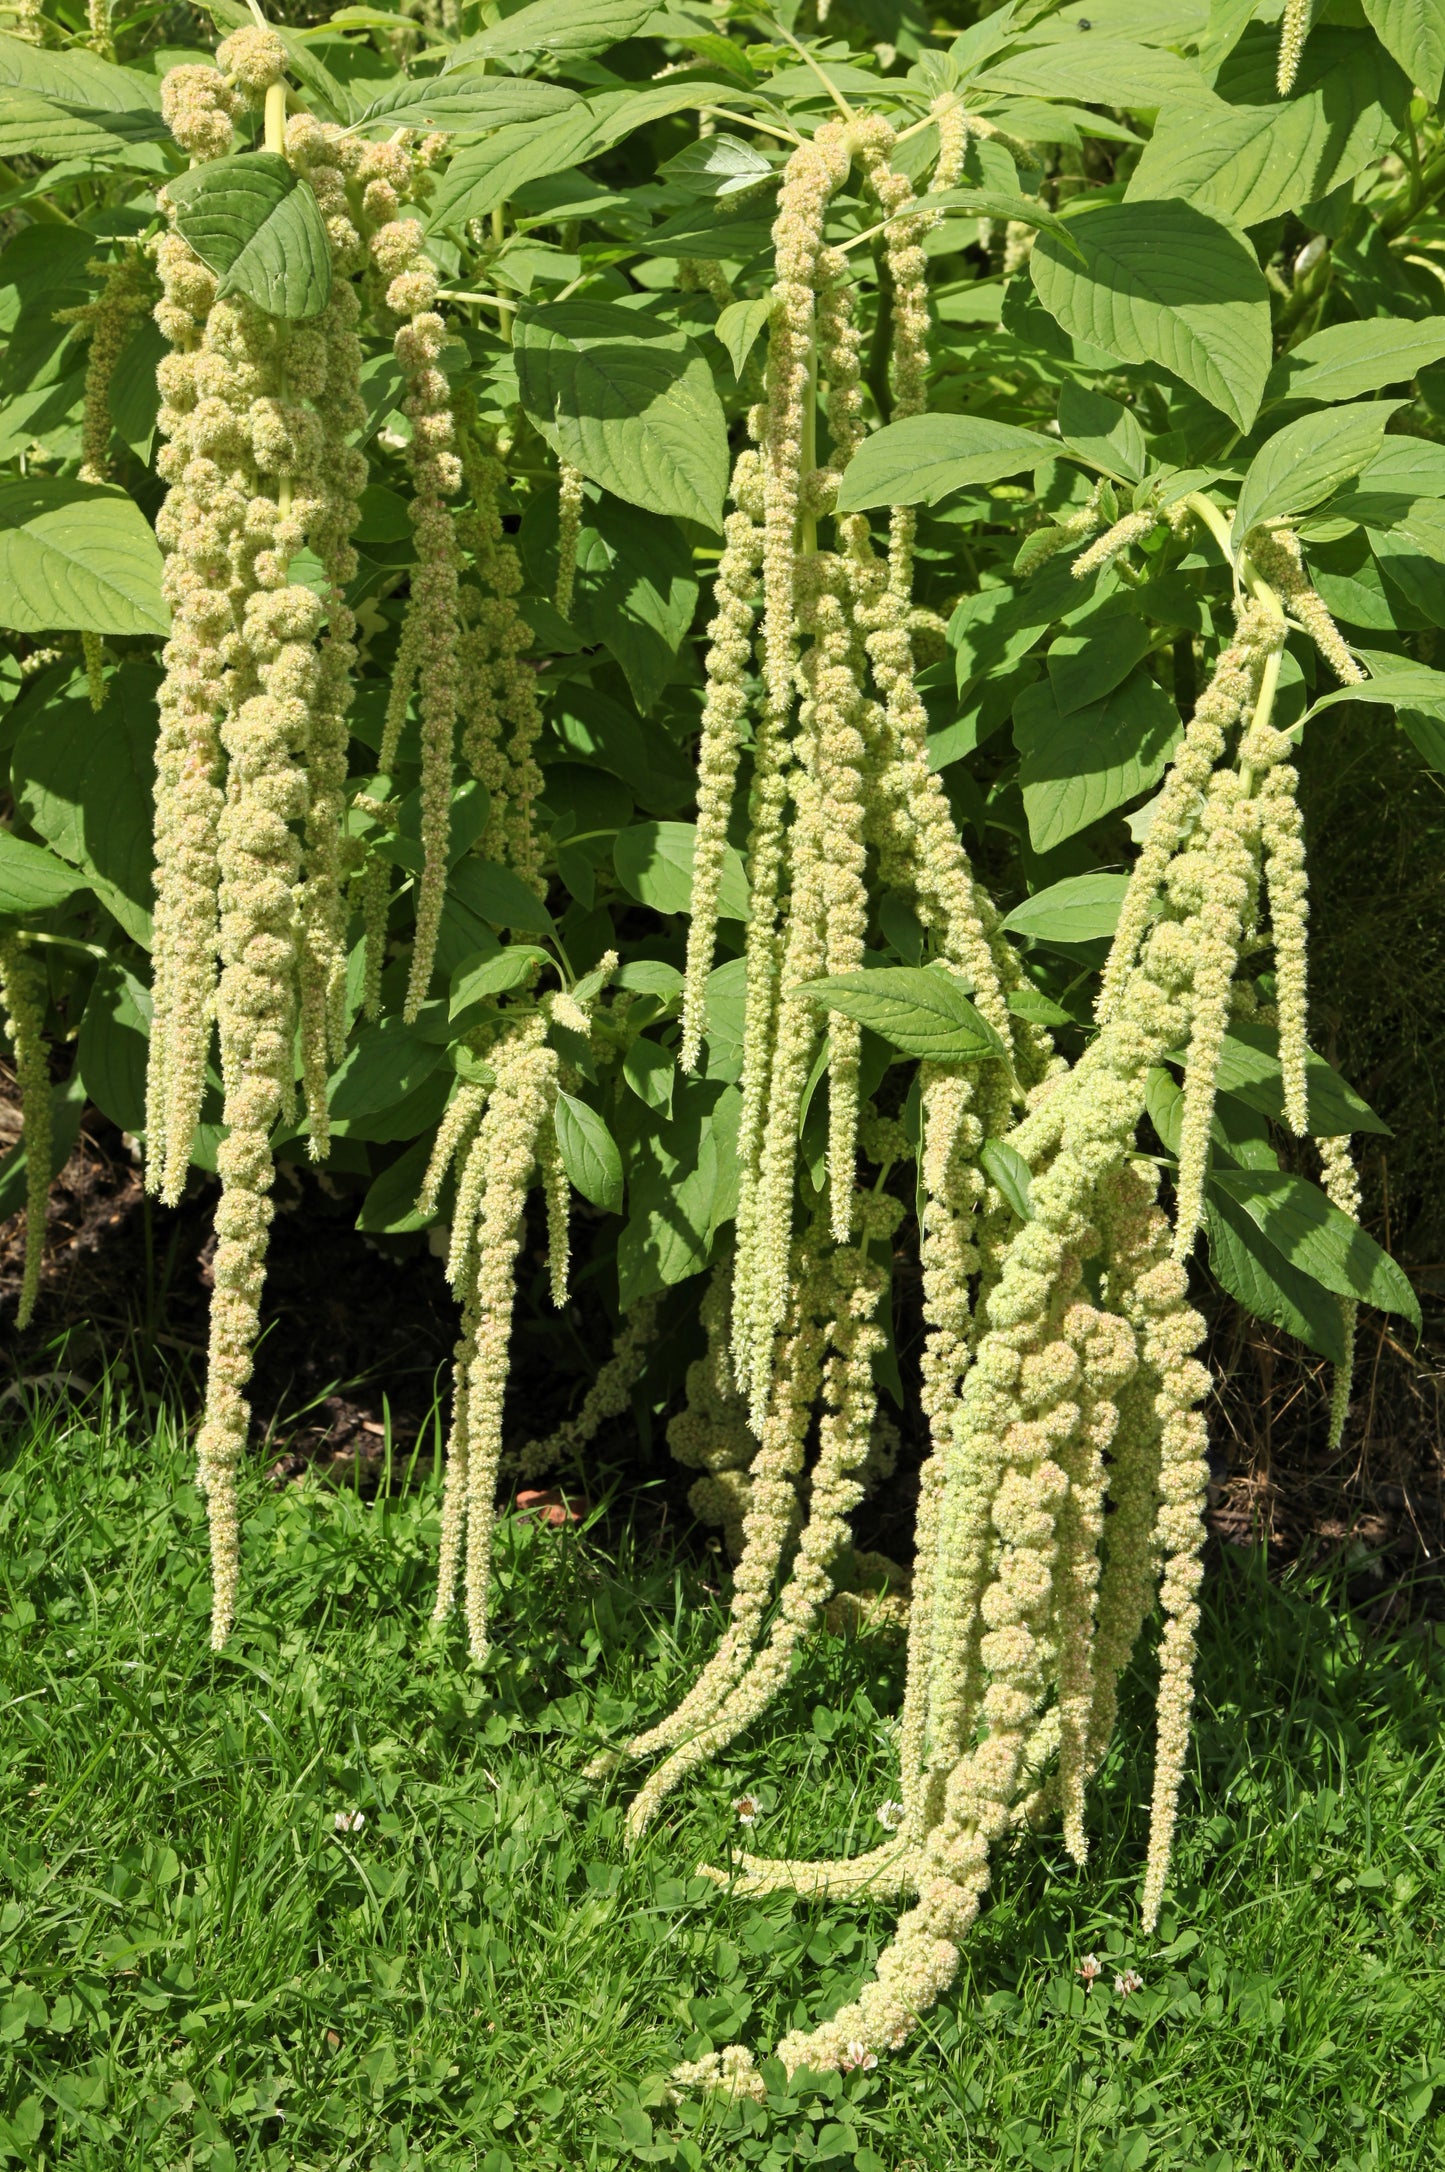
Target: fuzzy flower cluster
pixel 492 1138
pixel 501 711
pixel 23 998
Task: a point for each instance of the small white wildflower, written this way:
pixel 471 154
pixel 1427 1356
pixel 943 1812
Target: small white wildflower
pixel 889 1815
pixel 1090 1968
pixel 858 2055
pixel 1129 1981
pixel 350 1821
pixel 748 1809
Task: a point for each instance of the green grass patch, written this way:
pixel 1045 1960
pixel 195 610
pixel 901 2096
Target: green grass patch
pixel 334 1900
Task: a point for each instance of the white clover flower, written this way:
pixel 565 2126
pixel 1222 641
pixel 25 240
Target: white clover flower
pixel 1090 1968
pixel 889 1815
pixel 748 1809
pixel 349 1821
pixel 1129 1981
pixel 859 2056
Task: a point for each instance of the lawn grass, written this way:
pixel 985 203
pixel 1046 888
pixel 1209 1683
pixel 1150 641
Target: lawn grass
pixel 202 1965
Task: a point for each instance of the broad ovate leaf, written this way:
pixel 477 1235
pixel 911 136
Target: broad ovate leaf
pixel 629 401
pixel 1318 1239
pixel 77 556
pixel 1346 360
pixel 1259 1277
pixel 926 458
pixel 1414 32
pixel 1081 909
pixel 919 1010
pixel 258 225
pixel 32 879
pixel 589 1153
pixel 1307 461
pixel 1162 283
pixel 464 103
pixel 1247 163
pixel 654 864
pixel 565 28
pixel 86 784
pixel 1076 768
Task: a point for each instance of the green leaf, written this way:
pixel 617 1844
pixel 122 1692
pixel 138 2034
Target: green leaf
pixel 1098 70
pixel 1002 204
pixel 636 592
pixel 921 1010
pixel 1249 1069
pixel 1077 768
pixel 1163 284
pixel 1317 1238
pixel 569 28
pixel 114 1044
pixel 654 864
pixel 386 1063
pixel 258 226
pixel 679 1179
pixel 75 79
pixel 484 975
pixel 77 555
pixel 738 327
pixel 1011 1173
pixel 1406 686
pixel 1414 32
pixel 589 1153
pixel 629 401
pixel 32 127
pixel 86 783
pixel 32 880
pixel 1309 459
pixel 484 176
pixel 1410 467
pixel 718 166
pixel 1096 653
pixel 1347 359
pixel 1247 163
pixel 653 766
pixel 465 102
pixel 496 894
pixel 927 457
pixel 1082 909
pixel 721 233
pixel 390 1205
pixel 726 1009
pixel 651 1073
pixel 1257 1274
pixel 1102 432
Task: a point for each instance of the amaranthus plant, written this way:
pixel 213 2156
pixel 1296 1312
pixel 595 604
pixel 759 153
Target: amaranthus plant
pixel 721 617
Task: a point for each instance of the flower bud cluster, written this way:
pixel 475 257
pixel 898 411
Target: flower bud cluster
pixel 711 1434
pixel 607 1396
pixel 501 712
pixel 494 1137
pixel 1342 1188
pixel 23 995
pixel 106 323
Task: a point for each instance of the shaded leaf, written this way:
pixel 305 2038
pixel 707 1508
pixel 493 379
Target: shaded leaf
pixel 589 1153
pixel 654 864
pixel 1317 1238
